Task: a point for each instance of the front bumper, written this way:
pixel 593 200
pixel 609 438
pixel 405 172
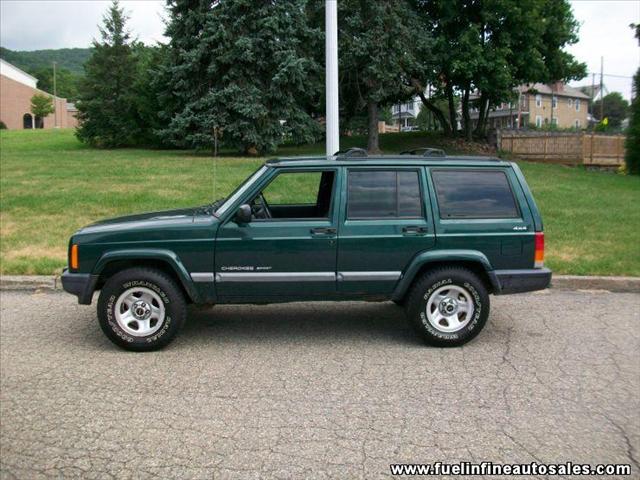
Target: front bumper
pixel 519 281
pixel 82 285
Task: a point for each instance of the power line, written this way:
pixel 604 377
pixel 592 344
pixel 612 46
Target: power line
pixel 611 75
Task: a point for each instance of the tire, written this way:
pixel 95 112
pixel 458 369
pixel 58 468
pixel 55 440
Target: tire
pixel 141 309
pixel 448 307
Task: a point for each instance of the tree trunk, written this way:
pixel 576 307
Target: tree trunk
pixel 438 114
pixel 483 111
pixel 373 145
pixel 466 117
pixel 452 110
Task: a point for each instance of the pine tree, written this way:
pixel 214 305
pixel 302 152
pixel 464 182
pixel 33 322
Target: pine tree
pixel 107 101
pixel 242 67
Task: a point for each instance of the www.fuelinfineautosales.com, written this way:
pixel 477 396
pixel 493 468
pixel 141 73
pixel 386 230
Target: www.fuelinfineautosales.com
pixel 489 468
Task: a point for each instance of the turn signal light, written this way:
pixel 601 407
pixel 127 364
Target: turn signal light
pixel 539 250
pixel 74 257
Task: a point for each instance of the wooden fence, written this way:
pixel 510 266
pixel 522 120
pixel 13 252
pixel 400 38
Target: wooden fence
pixel 564 148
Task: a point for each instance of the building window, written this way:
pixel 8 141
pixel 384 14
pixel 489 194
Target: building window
pixel 577 123
pixel 554 121
pixel 538 100
pixel 554 101
pixel 577 104
pixel 538 121
pixel 571 103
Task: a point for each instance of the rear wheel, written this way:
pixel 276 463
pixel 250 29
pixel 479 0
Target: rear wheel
pixel 448 307
pixel 141 309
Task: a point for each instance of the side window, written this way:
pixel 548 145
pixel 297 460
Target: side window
pixel 383 194
pixel 474 194
pixel 295 195
pixel 293 188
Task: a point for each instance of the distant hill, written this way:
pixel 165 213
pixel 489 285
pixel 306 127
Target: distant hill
pixel 71 59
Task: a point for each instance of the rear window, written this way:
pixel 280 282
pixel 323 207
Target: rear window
pixel 474 194
pixel 383 194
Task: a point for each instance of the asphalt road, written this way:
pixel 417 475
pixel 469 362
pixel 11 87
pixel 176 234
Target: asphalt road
pixel 317 390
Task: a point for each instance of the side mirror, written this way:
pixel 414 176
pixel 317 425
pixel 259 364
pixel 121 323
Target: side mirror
pixel 243 215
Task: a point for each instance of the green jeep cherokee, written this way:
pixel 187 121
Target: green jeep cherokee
pixel 434 233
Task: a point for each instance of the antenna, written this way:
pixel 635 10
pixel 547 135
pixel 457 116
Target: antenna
pixel 215 163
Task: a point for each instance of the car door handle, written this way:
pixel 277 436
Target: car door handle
pixel 323 231
pixel 414 230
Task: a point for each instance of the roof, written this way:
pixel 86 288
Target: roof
pixel 544 89
pixel 386 160
pixel 11 71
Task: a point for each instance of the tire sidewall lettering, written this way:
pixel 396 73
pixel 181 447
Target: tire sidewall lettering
pixel 478 308
pixel 113 324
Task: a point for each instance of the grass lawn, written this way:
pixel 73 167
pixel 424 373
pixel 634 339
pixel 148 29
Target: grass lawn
pixel 50 185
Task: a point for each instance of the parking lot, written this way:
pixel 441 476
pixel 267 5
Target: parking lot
pixel 313 390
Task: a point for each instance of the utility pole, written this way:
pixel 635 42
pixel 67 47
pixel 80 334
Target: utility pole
pixel 55 98
pixel 601 89
pixel 332 118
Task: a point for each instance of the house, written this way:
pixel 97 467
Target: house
pixel 541 105
pixel 16 89
pixel 405 114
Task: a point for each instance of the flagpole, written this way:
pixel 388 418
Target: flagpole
pixel 331 73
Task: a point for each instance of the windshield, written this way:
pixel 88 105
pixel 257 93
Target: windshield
pixel 231 199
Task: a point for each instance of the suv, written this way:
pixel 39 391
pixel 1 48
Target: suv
pixel 436 234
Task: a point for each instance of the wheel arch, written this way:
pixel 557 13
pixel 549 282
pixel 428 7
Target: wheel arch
pixel 165 261
pixel 472 260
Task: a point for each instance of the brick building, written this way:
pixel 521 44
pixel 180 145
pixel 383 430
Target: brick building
pixel 16 89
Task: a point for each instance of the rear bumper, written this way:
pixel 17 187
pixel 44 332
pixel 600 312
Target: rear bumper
pixel 519 281
pixel 82 285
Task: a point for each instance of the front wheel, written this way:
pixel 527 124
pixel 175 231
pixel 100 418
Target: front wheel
pixel 141 309
pixel 448 307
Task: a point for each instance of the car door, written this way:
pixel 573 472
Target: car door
pixel 384 223
pixel 289 253
pixel 483 209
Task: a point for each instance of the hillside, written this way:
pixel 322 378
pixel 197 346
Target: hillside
pixel 71 59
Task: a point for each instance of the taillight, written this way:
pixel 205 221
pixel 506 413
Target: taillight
pixel 74 257
pixel 538 259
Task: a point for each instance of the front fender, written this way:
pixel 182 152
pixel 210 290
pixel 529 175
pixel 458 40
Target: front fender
pixel 162 255
pixel 442 256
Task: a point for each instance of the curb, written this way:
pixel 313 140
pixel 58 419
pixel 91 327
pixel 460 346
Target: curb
pixel 612 284
pixel 566 282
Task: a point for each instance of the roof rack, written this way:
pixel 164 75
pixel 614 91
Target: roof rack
pixel 425 152
pixel 351 153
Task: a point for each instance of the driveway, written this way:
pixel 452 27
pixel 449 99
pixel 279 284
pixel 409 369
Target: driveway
pixel 312 390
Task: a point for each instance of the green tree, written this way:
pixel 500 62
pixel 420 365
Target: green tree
pixel 107 108
pixel 614 107
pixel 378 42
pixel 149 86
pixel 243 67
pixel 632 144
pixel 489 48
pixel 66 82
pixel 41 105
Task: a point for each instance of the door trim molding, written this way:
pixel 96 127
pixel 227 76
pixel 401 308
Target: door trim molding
pixel 202 277
pixel 276 277
pixel 228 277
pixel 368 276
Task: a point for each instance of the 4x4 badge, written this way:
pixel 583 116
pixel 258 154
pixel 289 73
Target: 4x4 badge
pixel 520 229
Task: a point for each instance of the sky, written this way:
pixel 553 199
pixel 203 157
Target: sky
pixel 34 25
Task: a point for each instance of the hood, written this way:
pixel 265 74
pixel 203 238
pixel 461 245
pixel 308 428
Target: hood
pixel 161 216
